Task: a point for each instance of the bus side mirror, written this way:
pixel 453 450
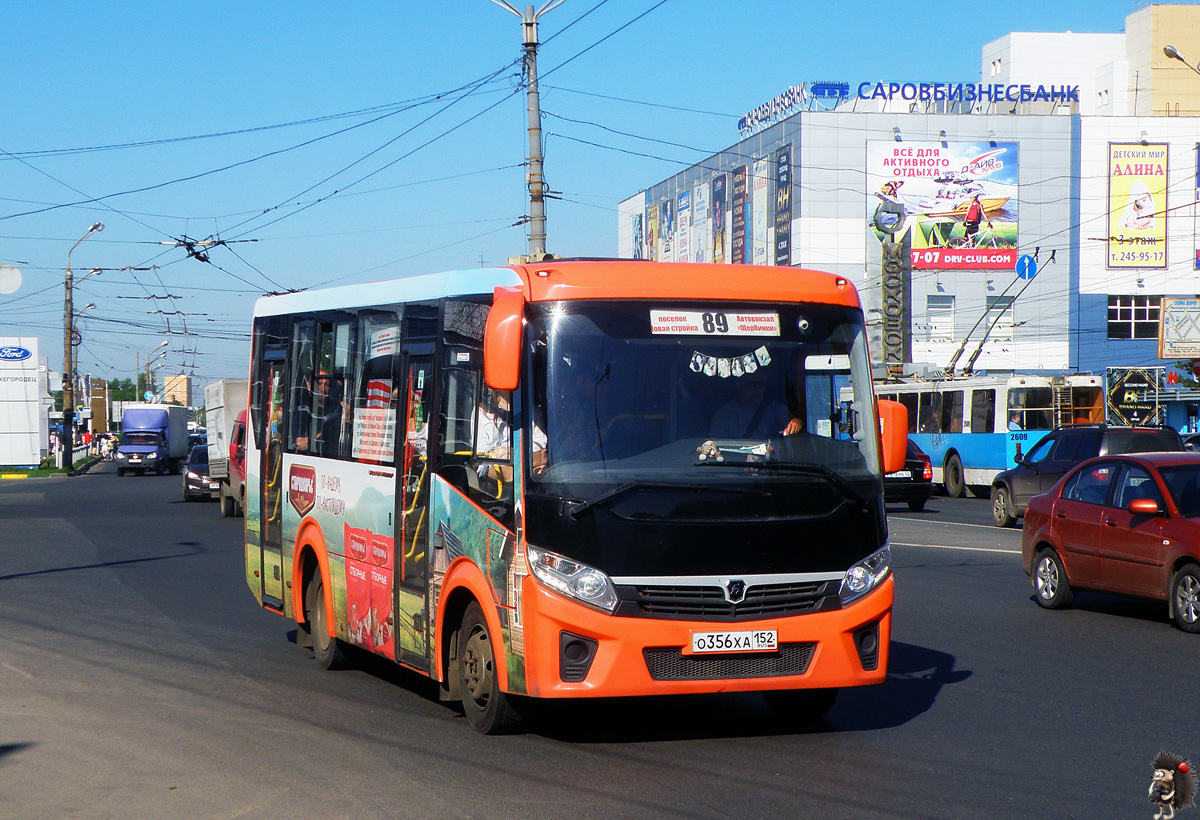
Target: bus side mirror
pixel 893 428
pixel 502 339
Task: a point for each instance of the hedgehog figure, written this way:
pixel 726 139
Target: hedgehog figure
pixel 1173 785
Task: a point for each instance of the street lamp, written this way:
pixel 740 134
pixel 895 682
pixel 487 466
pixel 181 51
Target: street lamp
pixel 1174 54
pixel 151 357
pixel 68 354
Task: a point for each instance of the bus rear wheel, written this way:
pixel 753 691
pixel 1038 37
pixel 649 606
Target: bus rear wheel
pixel 485 706
pixel 952 477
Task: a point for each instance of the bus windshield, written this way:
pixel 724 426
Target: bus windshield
pixel 703 396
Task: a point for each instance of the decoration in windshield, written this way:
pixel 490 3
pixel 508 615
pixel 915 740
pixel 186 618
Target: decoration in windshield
pixel 736 366
pixel 713 323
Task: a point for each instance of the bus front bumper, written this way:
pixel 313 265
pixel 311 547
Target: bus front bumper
pixel 649 656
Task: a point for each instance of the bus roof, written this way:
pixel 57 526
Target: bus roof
pixel 406 289
pixel 635 279
pixel 560 280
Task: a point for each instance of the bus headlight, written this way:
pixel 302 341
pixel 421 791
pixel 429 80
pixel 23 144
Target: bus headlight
pixel 573 579
pixel 867 574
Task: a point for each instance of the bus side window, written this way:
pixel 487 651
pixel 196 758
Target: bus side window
pixel 476 446
pixel 952 412
pixel 929 413
pixel 376 402
pixel 983 411
pixel 909 400
pixel 330 431
pixel 300 391
pixel 270 345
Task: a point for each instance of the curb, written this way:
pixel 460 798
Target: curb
pixel 84 468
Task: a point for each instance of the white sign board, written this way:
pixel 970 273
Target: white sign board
pixel 1179 331
pixel 20 407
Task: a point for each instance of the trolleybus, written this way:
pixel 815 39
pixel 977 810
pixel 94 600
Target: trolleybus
pixel 577 479
pixel 973 427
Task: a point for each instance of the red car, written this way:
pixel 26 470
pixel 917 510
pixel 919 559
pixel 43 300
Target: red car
pixel 1128 524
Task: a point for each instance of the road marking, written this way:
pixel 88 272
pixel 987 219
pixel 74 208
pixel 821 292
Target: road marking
pixel 954 547
pixel 18 671
pixel 950 523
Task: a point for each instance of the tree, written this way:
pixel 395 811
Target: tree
pixel 123 390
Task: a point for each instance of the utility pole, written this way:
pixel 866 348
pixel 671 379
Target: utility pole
pixel 68 436
pixel 537 186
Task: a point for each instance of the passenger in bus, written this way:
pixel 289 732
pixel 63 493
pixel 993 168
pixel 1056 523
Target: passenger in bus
pixel 751 413
pixel 329 409
pixel 493 437
pixel 492 426
pixel 1014 420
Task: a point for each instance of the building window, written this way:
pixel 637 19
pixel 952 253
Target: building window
pixel 939 317
pixel 1133 317
pixel 1001 306
pixel 1102 98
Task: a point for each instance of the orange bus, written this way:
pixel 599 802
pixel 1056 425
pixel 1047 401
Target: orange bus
pixel 577 479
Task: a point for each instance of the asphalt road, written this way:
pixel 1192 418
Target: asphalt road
pixel 138 679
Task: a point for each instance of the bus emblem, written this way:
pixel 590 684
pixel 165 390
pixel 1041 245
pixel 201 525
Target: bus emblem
pixel 302 488
pixel 735 591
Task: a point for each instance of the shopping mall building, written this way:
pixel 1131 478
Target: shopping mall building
pixel 1081 150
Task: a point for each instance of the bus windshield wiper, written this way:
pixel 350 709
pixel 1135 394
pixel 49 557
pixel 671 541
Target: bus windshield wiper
pixel 820 470
pixel 574 509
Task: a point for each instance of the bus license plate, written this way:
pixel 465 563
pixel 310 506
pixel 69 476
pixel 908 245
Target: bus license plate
pixel 758 640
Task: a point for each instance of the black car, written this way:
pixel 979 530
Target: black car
pixel 1058 451
pixel 912 485
pixel 196 483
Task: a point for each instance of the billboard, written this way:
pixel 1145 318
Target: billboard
pixel 700 224
pixel 760 193
pixel 1137 205
pixel 735 207
pixel 1179 328
pixel 783 205
pixel 666 236
pixel 717 217
pixel 1134 395
pixel 683 218
pixel 20 404
pixel 959 199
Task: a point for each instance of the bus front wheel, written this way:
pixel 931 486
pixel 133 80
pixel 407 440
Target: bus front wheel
pixel 952 477
pixel 327 649
pixel 486 708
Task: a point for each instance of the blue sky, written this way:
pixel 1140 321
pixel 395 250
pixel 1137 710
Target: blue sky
pixel 337 142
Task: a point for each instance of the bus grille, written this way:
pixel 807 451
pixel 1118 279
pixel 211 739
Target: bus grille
pixel 670 663
pixel 765 601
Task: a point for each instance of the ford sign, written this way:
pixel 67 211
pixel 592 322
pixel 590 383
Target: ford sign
pixel 14 354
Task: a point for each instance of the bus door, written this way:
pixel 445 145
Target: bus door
pixel 412 509
pixel 272 490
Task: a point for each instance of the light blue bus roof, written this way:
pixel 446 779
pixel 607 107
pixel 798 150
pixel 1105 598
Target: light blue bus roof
pixel 406 289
